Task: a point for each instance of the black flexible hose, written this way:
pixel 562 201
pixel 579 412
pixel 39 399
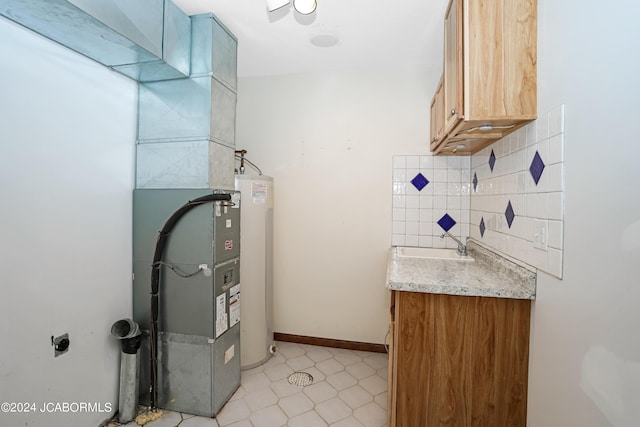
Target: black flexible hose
pixel 155 281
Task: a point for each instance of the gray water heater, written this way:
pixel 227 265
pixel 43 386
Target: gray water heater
pixel 257 269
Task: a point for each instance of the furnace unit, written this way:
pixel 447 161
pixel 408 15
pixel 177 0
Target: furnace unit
pixel 198 353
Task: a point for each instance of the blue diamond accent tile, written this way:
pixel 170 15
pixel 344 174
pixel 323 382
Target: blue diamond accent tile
pixel 419 181
pixel 536 168
pixel 492 160
pixel 446 222
pixel 475 182
pixel 482 227
pixel 509 214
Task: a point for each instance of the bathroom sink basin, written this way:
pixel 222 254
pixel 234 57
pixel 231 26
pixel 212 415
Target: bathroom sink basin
pixel 430 253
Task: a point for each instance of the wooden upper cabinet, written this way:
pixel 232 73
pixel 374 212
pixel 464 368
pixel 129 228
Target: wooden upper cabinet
pixel 453 62
pixel 437 116
pixel 490 80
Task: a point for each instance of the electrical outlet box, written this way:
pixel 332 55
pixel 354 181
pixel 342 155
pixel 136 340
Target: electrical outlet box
pixel 60 344
pixel 541 234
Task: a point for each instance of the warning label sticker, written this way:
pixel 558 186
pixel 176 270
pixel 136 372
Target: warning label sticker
pixel 221 314
pixel 234 305
pixel 259 193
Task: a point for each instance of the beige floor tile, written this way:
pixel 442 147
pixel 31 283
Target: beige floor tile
pixel 295 404
pixel 233 411
pixel 319 354
pixel 316 373
pixel 278 372
pixel 300 362
pixel 333 410
pixel 371 415
pixel 377 361
pixel 198 422
pixel 308 419
pixel 348 358
pixel 260 399
pixel 282 388
pixel 290 350
pixel 255 382
pixel 360 370
pixel 348 422
pixel 341 380
pixel 356 396
pixel 271 416
pixel 319 392
pixel 374 384
pixel 349 389
pixel 239 394
pixel 330 366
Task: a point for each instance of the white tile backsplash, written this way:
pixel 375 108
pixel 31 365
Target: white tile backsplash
pixel 533 204
pixel 416 211
pixel 451 191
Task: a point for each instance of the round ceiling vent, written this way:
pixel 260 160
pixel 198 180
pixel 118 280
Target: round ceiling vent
pixel 324 40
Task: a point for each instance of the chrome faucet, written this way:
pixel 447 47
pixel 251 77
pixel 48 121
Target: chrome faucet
pixel 462 249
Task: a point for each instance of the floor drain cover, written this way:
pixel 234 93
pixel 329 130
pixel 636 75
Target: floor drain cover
pixel 300 379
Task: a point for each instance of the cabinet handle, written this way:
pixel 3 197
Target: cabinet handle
pixel 433 140
pixel 453 111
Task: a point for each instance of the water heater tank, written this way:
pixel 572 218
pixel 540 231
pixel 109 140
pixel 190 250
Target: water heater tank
pixel 256 269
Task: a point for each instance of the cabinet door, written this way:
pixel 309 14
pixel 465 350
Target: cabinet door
pixel 458 361
pixel 500 62
pixel 500 362
pixel 453 66
pixel 432 357
pixel 437 116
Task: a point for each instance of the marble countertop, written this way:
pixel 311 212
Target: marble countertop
pixel 489 275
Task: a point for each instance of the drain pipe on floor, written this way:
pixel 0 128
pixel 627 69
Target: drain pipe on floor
pixel 130 336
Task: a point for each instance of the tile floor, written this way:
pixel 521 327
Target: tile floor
pixel 349 389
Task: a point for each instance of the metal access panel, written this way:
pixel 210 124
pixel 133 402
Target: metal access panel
pixel 196 375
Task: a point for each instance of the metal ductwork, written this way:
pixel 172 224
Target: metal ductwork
pixel 146 40
pixel 186 127
pixel 186 67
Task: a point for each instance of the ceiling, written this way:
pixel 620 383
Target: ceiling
pixel 369 33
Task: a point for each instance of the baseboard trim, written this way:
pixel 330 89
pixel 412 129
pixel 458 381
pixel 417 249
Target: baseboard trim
pixel 329 342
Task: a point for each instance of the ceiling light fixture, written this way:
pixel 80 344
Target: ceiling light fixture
pixel 304 7
pixel 276 4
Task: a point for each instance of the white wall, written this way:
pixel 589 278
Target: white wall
pixel 67 133
pixel 585 349
pixel 325 133
pixel 328 141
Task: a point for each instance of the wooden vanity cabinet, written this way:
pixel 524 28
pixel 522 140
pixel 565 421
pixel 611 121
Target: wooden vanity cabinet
pixel 490 80
pixel 457 360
